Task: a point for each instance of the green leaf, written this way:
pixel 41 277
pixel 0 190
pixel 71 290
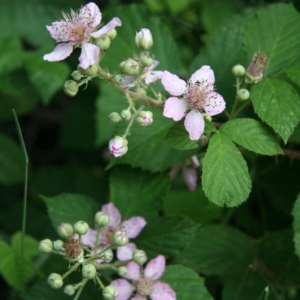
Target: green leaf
pixel 296 225
pixel 277 103
pixel 5 252
pixel 166 235
pixel 12 163
pixel 294 73
pixel 31 245
pixel 178 137
pixel 137 193
pixel 70 208
pixel 275 30
pixel 209 126
pixel 225 176
pixel 193 205
pixel 252 135
pixel 186 283
pixel 218 249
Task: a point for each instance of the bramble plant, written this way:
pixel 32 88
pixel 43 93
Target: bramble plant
pixel 191 191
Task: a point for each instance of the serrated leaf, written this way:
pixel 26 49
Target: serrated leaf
pixel 294 73
pixel 137 193
pixel 209 126
pixel 186 283
pixel 296 225
pixel 166 235
pixel 252 135
pixel 218 249
pixel 275 30
pixel 277 103
pixel 178 137
pixel 70 208
pixel 225 178
pixel 12 161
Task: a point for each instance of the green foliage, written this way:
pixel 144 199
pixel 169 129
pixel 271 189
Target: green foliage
pixel 296 225
pixel 294 73
pixel 252 135
pixel 225 176
pixel 277 103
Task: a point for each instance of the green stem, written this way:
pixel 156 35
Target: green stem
pixel 25 189
pixel 131 122
pixel 100 282
pixel 70 270
pixel 240 109
pixel 236 101
pixel 242 283
pixel 97 239
pixel 84 281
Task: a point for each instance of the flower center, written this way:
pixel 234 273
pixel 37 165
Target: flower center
pixel 144 286
pixel 107 235
pixel 79 30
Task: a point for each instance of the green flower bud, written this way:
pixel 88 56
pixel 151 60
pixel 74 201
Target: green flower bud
pixel 101 218
pixel 143 39
pixel 69 290
pixel 58 245
pixel 203 140
pixel 126 114
pixel 207 117
pixel 243 94
pixel 65 230
pixel 146 60
pixel 55 281
pixel 112 34
pixel 144 118
pixel 238 70
pixel 119 79
pixel 90 71
pixel 139 256
pixel 141 91
pixel 110 292
pixel 76 75
pixel 81 227
pixel 88 271
pixel 122 271
pixel 108 255
pixel 130 67
pixel 45 246
pixel 103 42
pixel 115 117
pixel 71 88
pixel 120 238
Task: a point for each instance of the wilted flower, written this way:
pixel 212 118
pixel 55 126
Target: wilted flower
pixel 75 30
pixel 254 72
pixel 198 96
pixel 144 283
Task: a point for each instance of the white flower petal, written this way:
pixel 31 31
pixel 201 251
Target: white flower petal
pixel 194 124
pixel 124 288
pixel 155 267
pixel 125 252
pixel 215 104
pixel 153 76
pixel 162 291
pixel 175 108
pixel 173 84
pixel 89 55
pixel 108 27
pixel 91 14
pixel 204 73
pixel 60 52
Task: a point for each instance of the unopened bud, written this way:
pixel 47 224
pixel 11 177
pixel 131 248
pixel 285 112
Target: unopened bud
pixel 65 230
pixel 69 290
pixel 112 34
pixel 207 117
pixel 101 218
pixel 115 117
pixel 243 94
pixel 58 245
pixel 45 246
pixel 71 88
pixel 203 140
pixel 122 271
pixel 130 67
pixel 120 238
pixel 90 71
pixel 141 91
pixel 238 70
pixel 118 146
pixel 81 227
pixel 55 281
pixel 76 75
pixel 119 79
pixel 126 114
pixel 143 39
pixel 103 42
pixel 110 292
pixel 139 256
pixel 144 118
pixel 146 60
pixel 108 255
pixel 89 271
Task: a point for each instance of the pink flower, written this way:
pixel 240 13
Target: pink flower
pixel 76 29
pixel 197 96
pixel 144 283
pixel 118 146
pixel 132 226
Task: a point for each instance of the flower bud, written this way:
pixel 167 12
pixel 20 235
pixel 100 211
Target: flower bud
pixel 254 72
pixel 115 117
pixel 122 271
pixel 207 117
pixel 103 42
pixel 69 290
pixel 55 281
pixel 238 70
pixel 112 34
pixel 118 146
pixel 130 67
pixel 101 218
pixel 71 88
pixel 203 140
pixel 58 245
pixel 91 71
pixel 139 256
pixel 243 94
pixel 126 114
pixel 110 292
pixel 81 227
pixel 141 91
pixel 120 238
pixel 119 79
pixel 45 246
pixel 146 60
pixel 88 271
pixel 143 39
pixel 108 255
pixel 144 118
pixel 65 230
pixel 76 75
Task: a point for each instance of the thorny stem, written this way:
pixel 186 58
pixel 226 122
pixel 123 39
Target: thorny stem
pixel 70 270
pixel 84 281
